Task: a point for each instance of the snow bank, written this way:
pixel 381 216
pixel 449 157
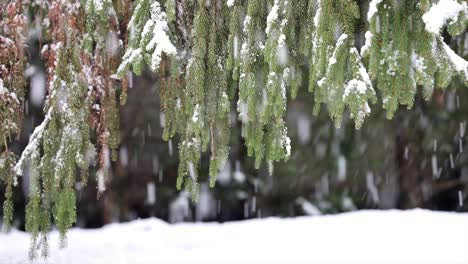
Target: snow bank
pixel 416 236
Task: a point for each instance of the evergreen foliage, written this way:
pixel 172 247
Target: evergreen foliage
pixel 12 91
pixel 148 38
pixel 207 54
pixel 402 54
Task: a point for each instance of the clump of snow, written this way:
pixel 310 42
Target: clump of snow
pixel 339 42
pixel 441 13
pixel 156 28
pixel 458 62
pixel 367 43
pixel 355 86
pixel 230 3
pixel 246 23
pixel 364 237
pixel 360 85
pixel 317 15
pixel 160 41
pixel 272 16
pixel 373 8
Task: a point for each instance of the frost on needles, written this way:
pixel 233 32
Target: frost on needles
pixel 261 52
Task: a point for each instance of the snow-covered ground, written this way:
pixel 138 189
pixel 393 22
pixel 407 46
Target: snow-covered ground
pixel 411 237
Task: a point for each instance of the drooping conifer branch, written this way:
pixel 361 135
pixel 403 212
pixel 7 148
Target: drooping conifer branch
pixel 196 136
pixel 148 38
pixel 404 52
pixel 102 46
pixel 12 90
pixel 79 64
pixel 337 75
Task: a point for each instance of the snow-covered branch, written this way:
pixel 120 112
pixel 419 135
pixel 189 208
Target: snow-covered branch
pixel 460 65
pixel 445 11
pixel 149 39
pixel 33 145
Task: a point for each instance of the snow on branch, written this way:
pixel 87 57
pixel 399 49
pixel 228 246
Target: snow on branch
pixel 149 38
pixel 460 65
pixel 445 11
pixel 33 145
pixel 373 9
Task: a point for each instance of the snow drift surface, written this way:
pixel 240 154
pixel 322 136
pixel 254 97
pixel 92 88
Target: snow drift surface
pixel 415 236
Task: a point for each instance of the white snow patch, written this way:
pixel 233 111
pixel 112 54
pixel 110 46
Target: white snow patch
pixel 367 43
pixel 272 16
pixel 373 9
pixel 355 86
pixel 160 41
pixel 33 145
pixel 364 237
pixel 442 12
pixel 458 62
